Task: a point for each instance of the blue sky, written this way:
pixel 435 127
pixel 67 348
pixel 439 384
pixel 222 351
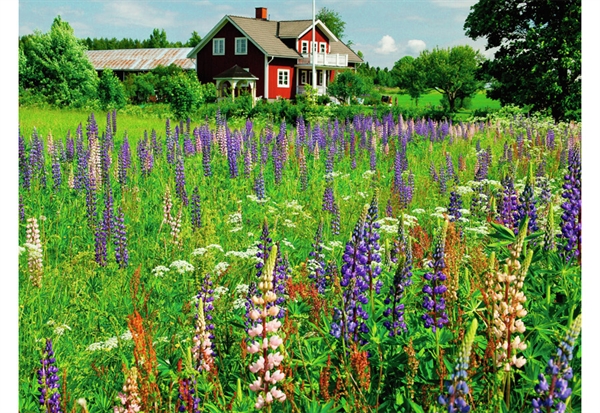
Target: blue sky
pixel 383 30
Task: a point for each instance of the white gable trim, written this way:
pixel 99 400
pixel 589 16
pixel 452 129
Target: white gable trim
pixel 319 23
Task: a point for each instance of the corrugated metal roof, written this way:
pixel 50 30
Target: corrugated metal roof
pixel 140 59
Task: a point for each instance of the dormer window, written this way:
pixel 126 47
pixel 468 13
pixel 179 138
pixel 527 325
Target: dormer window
pixel 304 47
pixel 241 45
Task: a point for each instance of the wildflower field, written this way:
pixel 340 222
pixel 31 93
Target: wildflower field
pixel 353 265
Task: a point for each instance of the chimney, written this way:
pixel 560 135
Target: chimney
pixel 261 13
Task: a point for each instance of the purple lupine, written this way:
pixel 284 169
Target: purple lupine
pixel 349 320
pixel 353 150
pixel 406 190
pixel 120 240
pixel 171 143
pixel 196 209
pixel 316 262
pixel 91 129
pixel 24 166
pixel 550 140
pixel 22 217
pixel 188 401
pixel 371 237
pixel 433 301
pixel 105 159
pixel 281 274
pixel 70 148
pixel 264 247
pixel 433 172
pixel 156 148
pixel 329 164
pixel 328 199
pixel 247 162
pixel 36 159
pixel 443 180
pixel 188 147
pixel 48 381
pixel 402 279
pixel 508 205
pixel 553 393
pixel 372 158
pixel 124 161
pixel 527 204
pixel 180 180
pixel 100 242
pixel 91 202
pixel 389 212
pixel 450 171
pixel 205 138
pixel 482 166
pixel 109 133
pixel 571 217
pixel 457 389
pixel 335 220
pixel 56 175
pixel 259 184
pixel 455 206
pixel 108 218
pixel 303 170
pixel 114 121
pixel 277 164
pixel 232 155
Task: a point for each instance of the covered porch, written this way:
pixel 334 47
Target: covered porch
pixel 324 76
pixel 235 82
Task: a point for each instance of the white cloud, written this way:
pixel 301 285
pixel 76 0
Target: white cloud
pixel 454 4
pixel 414 47
pixel 137 14
pixel 386 45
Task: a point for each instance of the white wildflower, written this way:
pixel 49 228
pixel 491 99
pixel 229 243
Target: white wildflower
pixel 289 244
pixel 60 330
pixel 335 244
pixel 440 209
pixel 22 250
pixel 463 219
pixel 239 303
pixel 126 336
pixel 288 223
pixel 347 197
pixel 241 289
pixel 362 194
pixel 464 211
pixel 182 266
pixel 95 346
pixel 437 215
pixel 235 218
pixel 215 246
pixel 160 271
pixel 418 211
pixel 221 267
pixel 254 198
pixel 199 251
pixel 111 343
pixel 368 173
pixel 251 235
pixel 463 190
pixel 293 204
pixel 220 291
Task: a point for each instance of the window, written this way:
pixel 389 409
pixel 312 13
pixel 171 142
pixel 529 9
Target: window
pixel 283 78
pixel 323 47
pixel 304 47
pixel 219 47
pixel 241 45
pixel 303 76
pixel 314 48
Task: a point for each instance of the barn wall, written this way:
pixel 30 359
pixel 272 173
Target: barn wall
pixel 208 66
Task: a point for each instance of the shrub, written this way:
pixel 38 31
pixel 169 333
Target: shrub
pixel 111 92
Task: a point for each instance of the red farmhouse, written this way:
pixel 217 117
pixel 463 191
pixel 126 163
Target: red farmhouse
pixel 270 59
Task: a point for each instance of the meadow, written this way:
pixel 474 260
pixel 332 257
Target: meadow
pixel 357 265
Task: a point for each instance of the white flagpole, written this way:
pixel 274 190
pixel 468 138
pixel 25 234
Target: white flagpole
pixel 312 52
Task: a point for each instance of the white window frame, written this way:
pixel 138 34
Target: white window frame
pixel 218 41
pixel 314 47
pixel 304 47
pixel 245 42
pixel 283 78
pixel 303 77
pixel 322 47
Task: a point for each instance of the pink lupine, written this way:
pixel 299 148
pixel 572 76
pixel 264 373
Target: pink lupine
pixel 264 338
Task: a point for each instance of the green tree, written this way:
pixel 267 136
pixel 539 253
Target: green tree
pixel 184 95
pixel 194 40
pixel 57 67
pixel 158 39
pixel 409 75
pixel 333 21
pixel 538 58
pixel 452 72
pixel 111 91
pixel 348 85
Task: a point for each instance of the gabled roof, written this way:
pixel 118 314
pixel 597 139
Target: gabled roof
pixel 140 59
pixel 235 72
pixel 266 35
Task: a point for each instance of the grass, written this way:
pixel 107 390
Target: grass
pixel 95 301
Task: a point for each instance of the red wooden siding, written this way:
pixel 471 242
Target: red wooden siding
pixel 319 37
pixel 208 66
pixel 284 92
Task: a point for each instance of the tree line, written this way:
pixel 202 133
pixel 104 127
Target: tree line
pixel 157 39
